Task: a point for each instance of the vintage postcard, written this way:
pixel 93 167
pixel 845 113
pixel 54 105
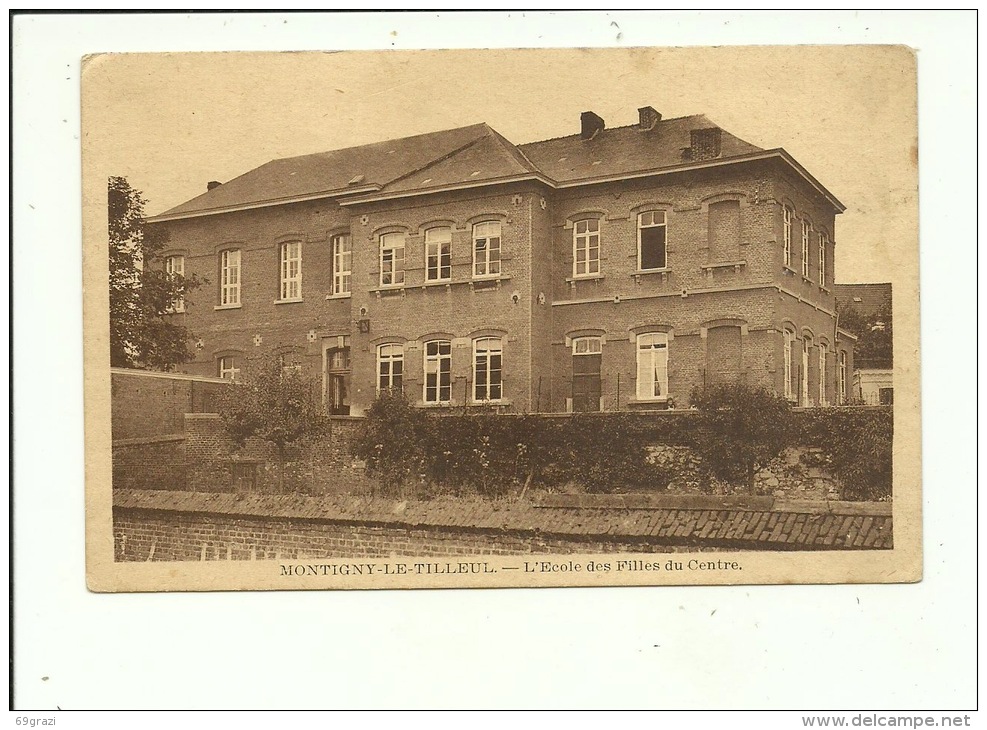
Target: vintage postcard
pixel 495 318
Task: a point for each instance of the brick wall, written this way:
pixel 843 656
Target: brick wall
pixel 174 526
pixel 146 404
pixel 149 463
pixel 215 464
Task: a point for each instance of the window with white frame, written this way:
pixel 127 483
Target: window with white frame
pixel 823 244
pixel 438 372
pixel 789 343
pixel 342 263
pixel 392 259
pixel 586 247
pixel 488 356
pixel 438 254
pixel 787 215
pixel 486 249
pixel 805 248
pixel 390 367
pixel 229 277
pixel 291 270
pixel 652 237
pixel 823 355
pixel 843 377
pixel 804 373
pixel 175 267
pixel 227 367
pixel 652 366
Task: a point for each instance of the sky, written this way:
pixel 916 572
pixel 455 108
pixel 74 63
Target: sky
pixel 171 122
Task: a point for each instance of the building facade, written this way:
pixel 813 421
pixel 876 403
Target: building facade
pixel 610 269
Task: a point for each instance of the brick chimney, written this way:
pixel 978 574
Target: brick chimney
pixel 212 184
pixel 592 124
pixel 705 143
pixel 648 118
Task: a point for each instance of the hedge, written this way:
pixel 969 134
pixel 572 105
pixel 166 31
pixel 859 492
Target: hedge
pixel 494 455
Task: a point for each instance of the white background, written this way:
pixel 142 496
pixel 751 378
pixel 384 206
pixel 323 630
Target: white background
pixel 807 647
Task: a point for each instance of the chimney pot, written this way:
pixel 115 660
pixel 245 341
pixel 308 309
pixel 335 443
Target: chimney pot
pixel 212 184
pixel 591 124
pixel 648 117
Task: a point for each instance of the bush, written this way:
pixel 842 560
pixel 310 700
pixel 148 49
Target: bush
pixel 741 429
pixel 857 444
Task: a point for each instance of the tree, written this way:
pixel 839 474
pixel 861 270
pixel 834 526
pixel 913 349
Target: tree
pixel 142 333
pixel 275 404
pixel 741 429
pixel 875 334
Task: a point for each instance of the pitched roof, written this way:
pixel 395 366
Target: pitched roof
pixel 865 298
pixel 467 156
pixel 624 150
pixel 372 165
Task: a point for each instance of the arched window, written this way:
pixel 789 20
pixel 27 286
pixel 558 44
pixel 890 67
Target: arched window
pixel 342 263
pixel 652 237
pixel 652 365
pixel 787 215
pixel 586 247
pixel 438 254
pixel 488 356
pixel 486 248
pixel 229 278
pixel 390 367
pixel 392 259
pixel 789 344
pixel 823 355
pixel 843 377
pixel 587 360
pixel 438 372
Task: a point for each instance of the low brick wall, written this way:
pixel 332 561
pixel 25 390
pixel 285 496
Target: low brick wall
pixel 150 463
pixel 155 525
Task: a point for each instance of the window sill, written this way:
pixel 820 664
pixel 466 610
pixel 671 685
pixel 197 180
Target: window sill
pixel 825 289
pixel 806 279
pixel 661 273
pixel 643 403
pixel 735 265
pixel 788 270
pixel 227 306
pixel 489 277
pixel 288 301
pixel 344 295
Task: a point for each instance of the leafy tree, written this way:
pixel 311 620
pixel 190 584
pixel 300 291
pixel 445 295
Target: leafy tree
pixel 875 334
pixel 142 334
pixel 275 404
pixel 740 429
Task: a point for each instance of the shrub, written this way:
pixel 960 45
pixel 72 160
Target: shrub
pixel 857 444
pixel 741 429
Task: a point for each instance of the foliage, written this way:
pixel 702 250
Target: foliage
pixel 735 432
pixel 741 429
pixel 857 444
pixel 276 405
pixel 142 335
pixel 495 454
pixel 875 334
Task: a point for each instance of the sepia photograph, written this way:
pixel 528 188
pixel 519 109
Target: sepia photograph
pixel 575 317
pixel 494 360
